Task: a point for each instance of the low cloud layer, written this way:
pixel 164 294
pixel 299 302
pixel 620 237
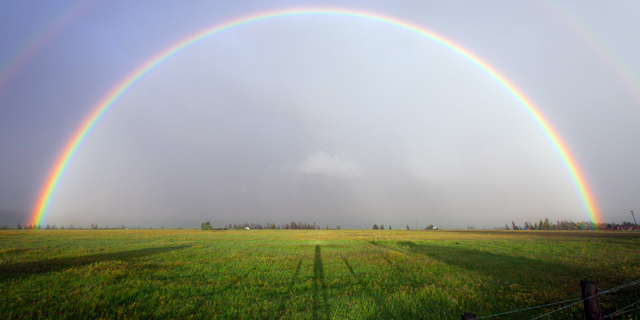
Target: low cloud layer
pixel 320 163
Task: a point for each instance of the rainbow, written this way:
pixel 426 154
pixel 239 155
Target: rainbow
pixel 613 60
pixel 63 160
pixel 10 69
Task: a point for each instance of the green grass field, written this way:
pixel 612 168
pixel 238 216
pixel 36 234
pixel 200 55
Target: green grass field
pixel 273 274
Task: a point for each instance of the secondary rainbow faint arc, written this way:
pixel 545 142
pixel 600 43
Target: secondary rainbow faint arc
pixel 54 176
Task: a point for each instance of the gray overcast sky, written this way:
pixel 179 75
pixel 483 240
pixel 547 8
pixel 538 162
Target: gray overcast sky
pixel 323 118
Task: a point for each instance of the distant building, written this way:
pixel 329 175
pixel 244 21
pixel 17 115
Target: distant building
pixel 246 228
pixel 626 227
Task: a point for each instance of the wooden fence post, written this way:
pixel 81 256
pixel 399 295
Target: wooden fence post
pixel 591 305
pixel 468 316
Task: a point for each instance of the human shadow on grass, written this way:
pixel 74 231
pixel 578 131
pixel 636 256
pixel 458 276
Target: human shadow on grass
pixel 24 269
pixel 320 306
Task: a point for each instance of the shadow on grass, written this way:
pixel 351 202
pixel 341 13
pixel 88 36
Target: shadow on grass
pixel 24 269
pixel 319 303
pixel 297 274
pixel 320 307
pixel 383 307
pixel 498 265
pixel 544 280
pixel 353 273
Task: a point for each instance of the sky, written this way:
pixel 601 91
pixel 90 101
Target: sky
pixel 326 118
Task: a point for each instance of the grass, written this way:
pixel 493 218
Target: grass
pixel 290 274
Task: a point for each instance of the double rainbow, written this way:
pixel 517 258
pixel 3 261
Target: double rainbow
pixel 54 176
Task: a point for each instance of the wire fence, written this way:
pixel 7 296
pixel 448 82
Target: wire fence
pixel 530 308
pixel 576 301
pixel 619 312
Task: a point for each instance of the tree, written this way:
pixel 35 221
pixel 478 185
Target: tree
pixel 375 227
pixel 408 227
pixel 547 225
pixel 513 224
pixel 506 227
pixel 389 227
pixel 338 227
pixel 429 227
pixel 382 227
pixel 206 226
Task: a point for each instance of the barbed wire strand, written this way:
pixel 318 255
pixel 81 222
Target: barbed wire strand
pixel 618 312
pixel 514 311
pixel 628 284
pixel 627 311
pixel 567 306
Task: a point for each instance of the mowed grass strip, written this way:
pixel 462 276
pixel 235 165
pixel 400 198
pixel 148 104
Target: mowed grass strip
pixel 313 274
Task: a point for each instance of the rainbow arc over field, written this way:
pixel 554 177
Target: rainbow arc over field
pixel 55 174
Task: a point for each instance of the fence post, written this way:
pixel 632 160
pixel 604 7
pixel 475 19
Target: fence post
pixel 468 316
pixel 591 305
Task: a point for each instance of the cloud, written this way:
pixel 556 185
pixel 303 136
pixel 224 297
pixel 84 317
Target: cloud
pixel 320 163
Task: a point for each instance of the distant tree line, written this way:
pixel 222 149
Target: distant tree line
pixel 291 225
pixel 564 225
pixel 381 227
pixel 540 225
pixel 94 226
pixel 375 227
pixel 207 226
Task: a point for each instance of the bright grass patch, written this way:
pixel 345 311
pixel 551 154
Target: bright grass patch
pixel 293 274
